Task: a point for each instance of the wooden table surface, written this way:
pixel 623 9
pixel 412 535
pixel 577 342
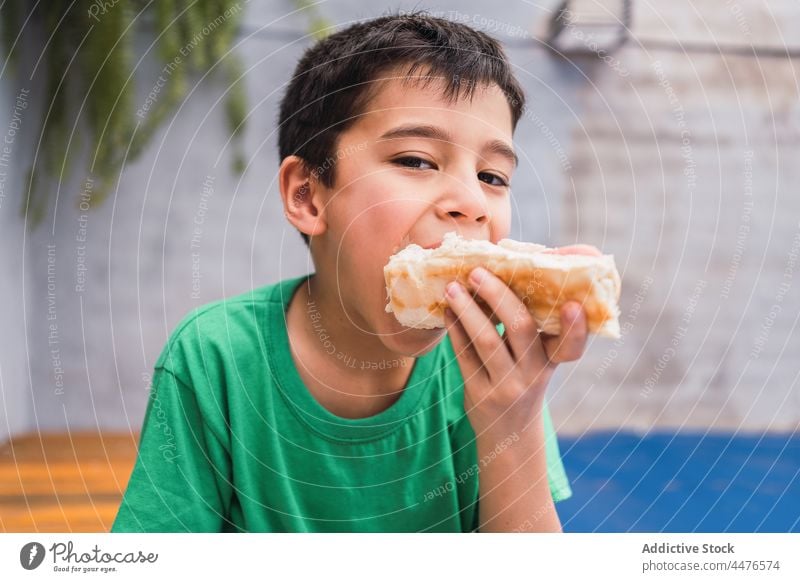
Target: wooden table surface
pixel 64 482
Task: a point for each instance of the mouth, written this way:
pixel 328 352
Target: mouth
pixel 406 240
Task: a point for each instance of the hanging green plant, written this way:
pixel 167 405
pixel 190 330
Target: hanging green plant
pixel 87 49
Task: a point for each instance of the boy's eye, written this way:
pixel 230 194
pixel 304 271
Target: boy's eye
pixel 413 162
pixel 492 179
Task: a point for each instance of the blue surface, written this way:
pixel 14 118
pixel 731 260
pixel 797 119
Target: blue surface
pixel 679 482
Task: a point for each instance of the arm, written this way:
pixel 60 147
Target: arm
pixel 513 486
pixel 181 479
pixel 505 378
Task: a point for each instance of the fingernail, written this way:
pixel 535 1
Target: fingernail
pixel 453 289
pixel 477 275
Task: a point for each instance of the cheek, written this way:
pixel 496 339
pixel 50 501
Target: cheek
pixel 357 252
pixel 373 215
pixel 377 215
pixel 501 220
pixel 373 232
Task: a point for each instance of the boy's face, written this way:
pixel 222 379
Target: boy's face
pixel 411 168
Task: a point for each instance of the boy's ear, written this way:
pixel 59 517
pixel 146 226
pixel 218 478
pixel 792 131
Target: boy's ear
pixel 303 202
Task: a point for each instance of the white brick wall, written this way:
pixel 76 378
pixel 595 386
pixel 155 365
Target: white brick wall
pixel 15 409
pixel 632 198
pixel 624 191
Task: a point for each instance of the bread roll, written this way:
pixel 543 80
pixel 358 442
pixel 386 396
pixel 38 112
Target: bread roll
pixel 416 280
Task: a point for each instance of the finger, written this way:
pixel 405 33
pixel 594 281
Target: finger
pixel 468 360
pixel 569 345
pixel 488 344
pixel 575 250
pixel 521 329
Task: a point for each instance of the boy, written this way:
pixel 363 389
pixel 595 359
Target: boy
pixel 303 405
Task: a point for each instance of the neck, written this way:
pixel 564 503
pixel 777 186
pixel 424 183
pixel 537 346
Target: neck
pixel 347 369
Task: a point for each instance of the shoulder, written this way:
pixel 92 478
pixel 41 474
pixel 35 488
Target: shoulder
pixel 216 330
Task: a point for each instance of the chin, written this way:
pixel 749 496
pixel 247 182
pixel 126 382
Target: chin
pixel 410 342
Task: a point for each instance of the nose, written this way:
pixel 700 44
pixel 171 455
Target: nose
pixel 464 201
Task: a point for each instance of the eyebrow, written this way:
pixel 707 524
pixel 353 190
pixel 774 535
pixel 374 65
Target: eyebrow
pixel 496 146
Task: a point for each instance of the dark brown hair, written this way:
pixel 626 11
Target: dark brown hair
pixel 331 83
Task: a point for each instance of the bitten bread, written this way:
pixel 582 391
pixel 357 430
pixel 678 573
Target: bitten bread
pixel 416 280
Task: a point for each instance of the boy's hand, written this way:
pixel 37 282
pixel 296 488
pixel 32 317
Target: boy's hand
pixel 505 377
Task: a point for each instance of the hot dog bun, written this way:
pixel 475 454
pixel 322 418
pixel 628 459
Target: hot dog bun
pixel 416 280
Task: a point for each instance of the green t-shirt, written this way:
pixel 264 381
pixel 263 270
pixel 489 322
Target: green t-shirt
pixel 233 440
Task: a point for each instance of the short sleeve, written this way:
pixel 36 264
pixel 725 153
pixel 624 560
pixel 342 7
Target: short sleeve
pixel 181 478
pixel 556 474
